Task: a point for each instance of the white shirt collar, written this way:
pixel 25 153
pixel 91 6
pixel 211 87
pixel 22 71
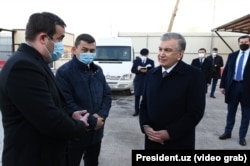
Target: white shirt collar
pixel 168 69
pixel 246 52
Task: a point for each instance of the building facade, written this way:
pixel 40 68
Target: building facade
pixel 195 41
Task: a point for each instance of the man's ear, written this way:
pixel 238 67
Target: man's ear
pixel 73 50
pixel 42 37
pixel 180 56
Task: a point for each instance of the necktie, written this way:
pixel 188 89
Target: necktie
pixel 164 74
pixel 239 68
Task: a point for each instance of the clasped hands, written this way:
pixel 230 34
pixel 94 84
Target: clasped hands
pixel 142 69
pixel 157 136
pixel 83 115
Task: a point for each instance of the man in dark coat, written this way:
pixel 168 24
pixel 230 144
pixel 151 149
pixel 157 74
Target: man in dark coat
pixel 235 84
pixel 85 88
pixel 36 121
pixel 217 63
pixel 174 98
pixel 205 65
pixel 141 66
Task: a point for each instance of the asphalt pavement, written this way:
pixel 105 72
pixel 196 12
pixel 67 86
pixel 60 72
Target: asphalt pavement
pixel 122 133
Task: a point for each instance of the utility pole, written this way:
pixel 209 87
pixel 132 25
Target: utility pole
pixel 173 16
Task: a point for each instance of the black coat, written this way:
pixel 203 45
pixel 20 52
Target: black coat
pixel 205 67
pixel 139 79
pixel 35 118
pixel 175 103
pixel 228 76
pixel 217 63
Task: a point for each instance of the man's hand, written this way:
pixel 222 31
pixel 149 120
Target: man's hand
pixel 222 90
pixel 77 115
pixel 156 136
pixel 84 119
pixel 144 70
pixel 100 121
pixel 161 136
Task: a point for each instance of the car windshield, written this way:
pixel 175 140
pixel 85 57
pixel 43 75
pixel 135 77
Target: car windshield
pixel 113 53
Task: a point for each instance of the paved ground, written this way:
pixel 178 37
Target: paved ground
pixel 122 133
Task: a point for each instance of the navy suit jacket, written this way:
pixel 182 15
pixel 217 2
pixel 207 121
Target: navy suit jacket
pixel 175 103
pixel 139 79
pixel 228 76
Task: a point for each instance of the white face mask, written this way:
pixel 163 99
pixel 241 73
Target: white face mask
pixel 201 55
pixel 214 53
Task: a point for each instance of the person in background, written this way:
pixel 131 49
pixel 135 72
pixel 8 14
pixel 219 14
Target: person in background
pixel 85 88
pixel 140 68
pixel 217 63
pixel 173 102
pixel 204 64
pixel 235 84
pixel 36 121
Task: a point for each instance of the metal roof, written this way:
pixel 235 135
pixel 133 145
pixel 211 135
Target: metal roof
pixel 240 25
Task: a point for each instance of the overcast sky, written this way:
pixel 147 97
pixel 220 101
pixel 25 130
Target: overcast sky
pixel 107 17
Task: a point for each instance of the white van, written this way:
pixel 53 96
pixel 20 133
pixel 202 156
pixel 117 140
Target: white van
pixel 115 55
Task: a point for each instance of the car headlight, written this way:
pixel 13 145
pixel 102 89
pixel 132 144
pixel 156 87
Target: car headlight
pixel 126 77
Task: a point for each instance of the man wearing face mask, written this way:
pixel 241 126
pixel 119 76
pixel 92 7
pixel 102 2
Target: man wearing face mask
pixel 85 88
pixel 217 63
pixel 140 67
pixel 37 123
pixel 204 64
pixel 235 84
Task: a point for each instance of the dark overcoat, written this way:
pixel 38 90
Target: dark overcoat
pixel 217 63
pixel 139 79
pixel 35 118
pixel 205 67
pixel 175 103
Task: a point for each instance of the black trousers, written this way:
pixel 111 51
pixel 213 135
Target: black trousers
pixel 89 154
pixel 137 103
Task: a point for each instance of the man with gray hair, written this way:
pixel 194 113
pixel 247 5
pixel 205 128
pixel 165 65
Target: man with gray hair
pixel 174 98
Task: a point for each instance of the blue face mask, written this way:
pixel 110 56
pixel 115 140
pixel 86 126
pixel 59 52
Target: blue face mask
pixel 86 58
pixel 58 50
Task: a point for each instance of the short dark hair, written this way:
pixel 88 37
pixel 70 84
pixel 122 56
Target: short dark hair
pixel 215 49
pixel 144 51
pixel 84 37
pixel 202 49
pixel 243 37
pixel 42 22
